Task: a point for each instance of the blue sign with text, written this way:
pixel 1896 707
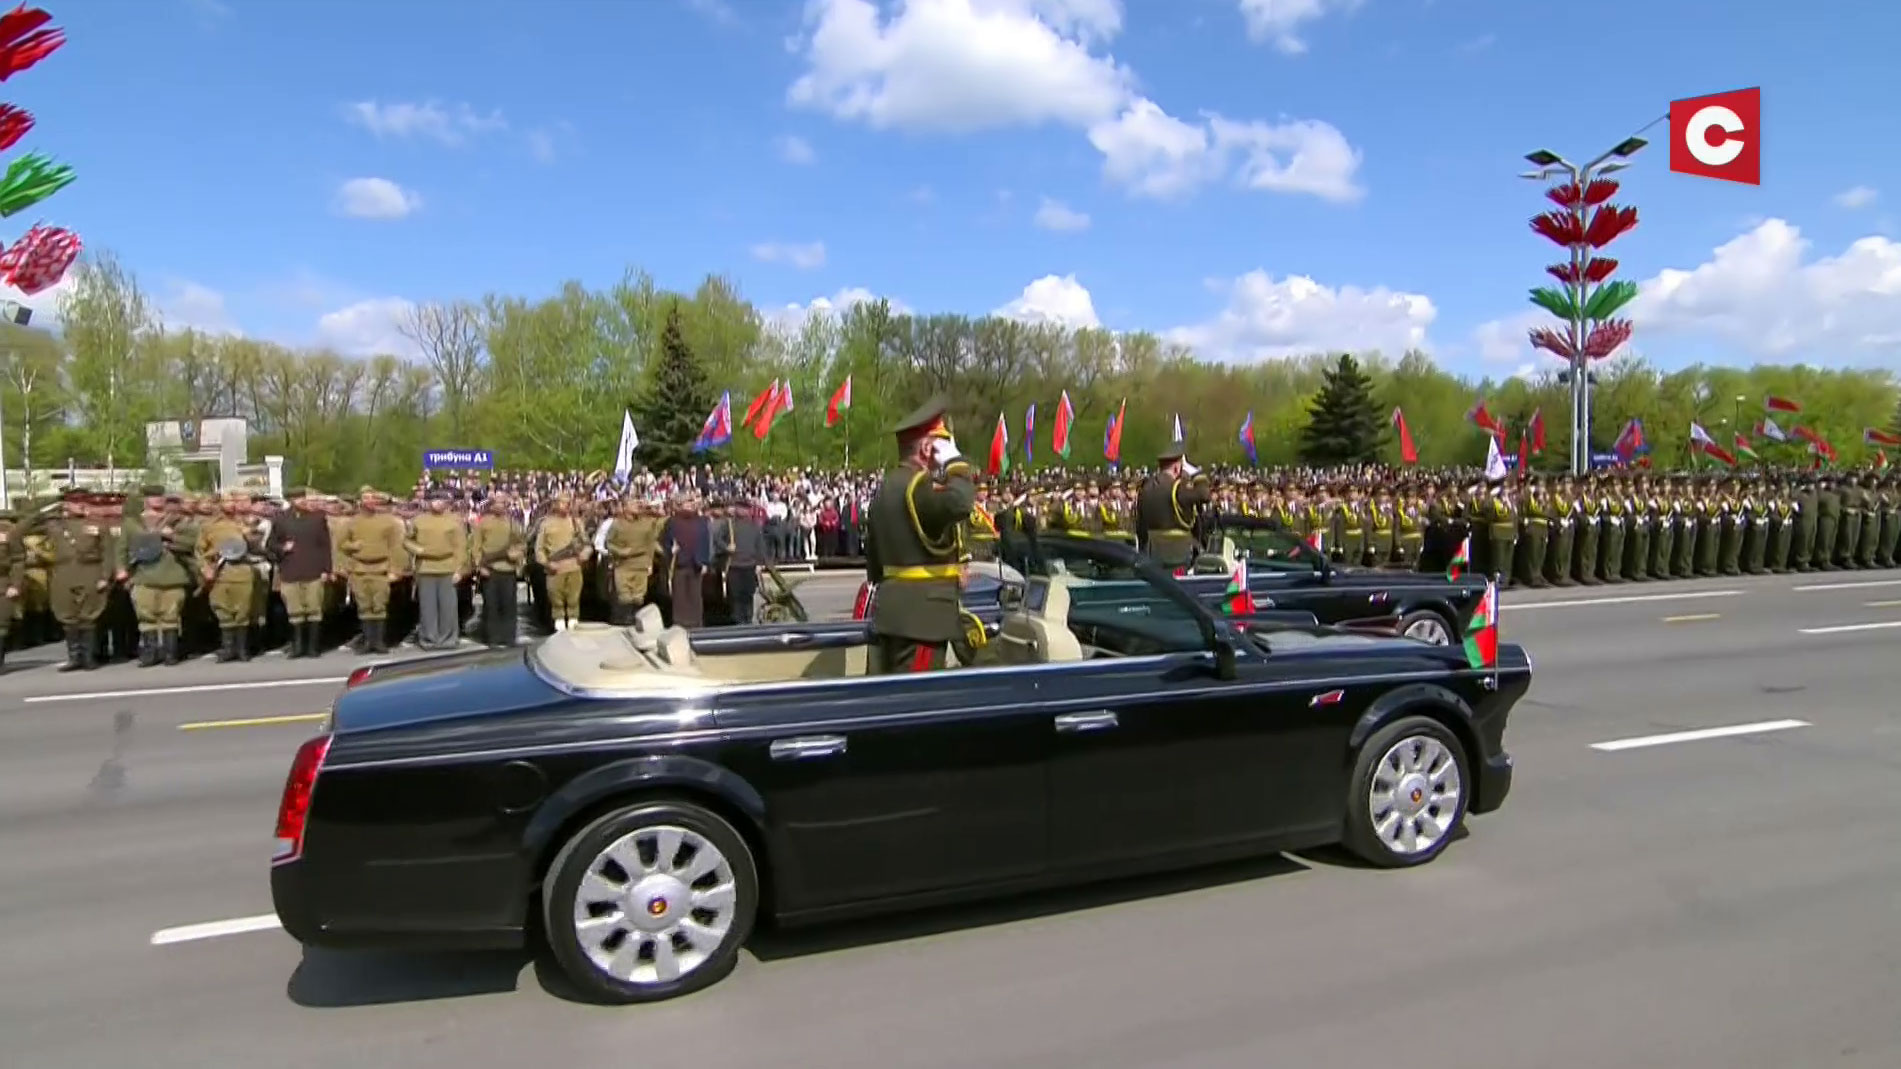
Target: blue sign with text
pixel 458 458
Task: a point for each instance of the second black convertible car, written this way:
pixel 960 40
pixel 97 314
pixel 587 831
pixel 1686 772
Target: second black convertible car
pixel 641 795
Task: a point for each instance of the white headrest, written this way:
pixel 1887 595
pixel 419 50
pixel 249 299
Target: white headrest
pixel 644 641
pixel 649 620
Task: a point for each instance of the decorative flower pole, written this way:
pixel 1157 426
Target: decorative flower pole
pixel 1587 300
pixel 41 257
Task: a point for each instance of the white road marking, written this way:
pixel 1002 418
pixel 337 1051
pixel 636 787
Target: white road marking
pixel 254 722
pixel 1846 586
pixel 203 688
pixel 214 929
pixel 1645 741
pixel 1889 604
pixel 1631 599
pixel 1842 629
pixel 1693 617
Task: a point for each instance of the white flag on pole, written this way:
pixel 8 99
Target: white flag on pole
pixel 629 441
pixel 1494 462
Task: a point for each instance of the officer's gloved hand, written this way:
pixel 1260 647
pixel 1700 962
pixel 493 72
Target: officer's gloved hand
pixel 944 452
pixel 1189 469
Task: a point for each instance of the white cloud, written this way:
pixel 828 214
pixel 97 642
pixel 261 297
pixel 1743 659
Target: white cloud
pixel 1763 295
pixel 797 151
pixel 375 198
pixel 1154 154
pixel 1267 319
pixel 792 317
pixel 1060 217
pixel 1502 341
pixel 1054 299
pixel 968 65
pixel 187 305
pixel 1277 21
pixel 717 10
pixel 804 257
pixel 1858 197
pixel 368 328
pixel 447 124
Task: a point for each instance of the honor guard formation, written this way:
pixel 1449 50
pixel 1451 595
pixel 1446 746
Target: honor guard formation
pixel 157 577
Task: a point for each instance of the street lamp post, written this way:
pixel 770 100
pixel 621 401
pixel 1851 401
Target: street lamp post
pixel 1583 223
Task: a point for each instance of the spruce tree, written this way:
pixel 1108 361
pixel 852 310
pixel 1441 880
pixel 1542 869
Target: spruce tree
pixel 1344 425
pixel 678 398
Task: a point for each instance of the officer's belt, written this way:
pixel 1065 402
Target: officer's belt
pixel 923 572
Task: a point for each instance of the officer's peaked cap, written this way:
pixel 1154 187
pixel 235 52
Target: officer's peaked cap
pixel 1176 450
pixel 929 420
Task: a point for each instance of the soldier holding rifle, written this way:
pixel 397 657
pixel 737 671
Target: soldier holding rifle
pixel 561 546
pixel 224 562
pixel 497 548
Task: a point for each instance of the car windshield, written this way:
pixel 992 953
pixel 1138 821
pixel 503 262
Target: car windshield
pixel 1115 606
pixel 1272 548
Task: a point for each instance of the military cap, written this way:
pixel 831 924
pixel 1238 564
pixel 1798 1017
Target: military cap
pixel 368 491
pixel 929 420
pixel 151 490
pixel 1175 450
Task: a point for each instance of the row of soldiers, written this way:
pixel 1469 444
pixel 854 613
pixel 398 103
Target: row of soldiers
pixel 1608 527
pixel 167 574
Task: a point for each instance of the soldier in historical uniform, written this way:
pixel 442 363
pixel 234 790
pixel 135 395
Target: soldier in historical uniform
pixel 497 548
pixel 372 549
pixel 12 570
pixel 160 576
pixel 739 542
pixel 224 562
pixel 300 544
pixel 561 546
pixel 79 575
pixel 1166 509
pixel 915 547
pixel 439 543
pixel 632 540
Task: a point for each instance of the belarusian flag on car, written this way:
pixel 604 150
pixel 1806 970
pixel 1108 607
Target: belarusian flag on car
pixel 1239 600
pixel 1481 635
pixel 1461 559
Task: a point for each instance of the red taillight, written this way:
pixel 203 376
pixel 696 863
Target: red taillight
pixel 294 808
pixel 358 677
pixel 861 607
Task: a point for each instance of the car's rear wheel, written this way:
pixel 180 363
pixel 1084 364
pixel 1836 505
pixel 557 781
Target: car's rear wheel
pixel 1407 797
pixel 1426 626
pixel 650 902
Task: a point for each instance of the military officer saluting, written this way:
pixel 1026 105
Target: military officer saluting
pixel 1166 507
pixel 915 545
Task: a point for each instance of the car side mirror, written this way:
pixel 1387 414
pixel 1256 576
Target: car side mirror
pixel 1010 597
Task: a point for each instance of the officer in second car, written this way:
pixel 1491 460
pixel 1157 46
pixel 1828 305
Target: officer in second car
pixel 915 547
pixel 1166 508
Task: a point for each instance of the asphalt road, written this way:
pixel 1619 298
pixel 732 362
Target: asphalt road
pixel 1726 900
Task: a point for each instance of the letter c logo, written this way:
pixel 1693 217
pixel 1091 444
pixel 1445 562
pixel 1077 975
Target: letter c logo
pixel 1710 152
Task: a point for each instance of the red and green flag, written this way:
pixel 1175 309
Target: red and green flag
pixel 1744 450
pixel 1239 600
pixel 1481 635
pixel 1065 416
pixel 999 448
pixel 1461 559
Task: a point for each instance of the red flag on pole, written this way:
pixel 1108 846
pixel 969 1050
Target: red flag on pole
pixel 1407 454
pixel 841 400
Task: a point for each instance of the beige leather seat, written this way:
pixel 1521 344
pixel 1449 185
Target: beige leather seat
pixel 674 647
pixel 1043 637
pixel 649 621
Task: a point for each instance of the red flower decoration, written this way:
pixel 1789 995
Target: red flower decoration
pixel 23 42
pixel 1608 224
pixel 1559 228
pixel 1565 196
pixel 14 124
pixel 1596 270
pixel 1552 342
pixel 39 259
pixel 1606 338
pixel 1599 191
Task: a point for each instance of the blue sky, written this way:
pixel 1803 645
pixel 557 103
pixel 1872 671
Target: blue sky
pixel 1365 149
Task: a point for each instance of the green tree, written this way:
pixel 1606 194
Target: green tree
pixel 1344 424
pixel 677 401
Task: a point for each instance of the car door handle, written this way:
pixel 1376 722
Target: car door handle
pixel 807 747
pixel 1100 720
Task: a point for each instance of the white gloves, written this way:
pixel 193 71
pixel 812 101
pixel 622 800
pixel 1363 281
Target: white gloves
pixel 944 451
pixel 1189 469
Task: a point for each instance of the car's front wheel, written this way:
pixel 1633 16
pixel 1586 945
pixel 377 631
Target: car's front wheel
pixel 1407 796
pixel 650 902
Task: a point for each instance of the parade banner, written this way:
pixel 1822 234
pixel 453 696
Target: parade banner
pixel 436 459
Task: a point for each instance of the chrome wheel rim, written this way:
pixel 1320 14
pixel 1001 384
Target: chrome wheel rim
pixel 655 905
pixel 1430 630
pixel 1415 795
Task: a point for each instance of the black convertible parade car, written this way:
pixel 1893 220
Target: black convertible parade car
pixel 640 796
pixel 1286 576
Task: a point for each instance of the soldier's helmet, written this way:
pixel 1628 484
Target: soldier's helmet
pixel 231 549
pixel 146 548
